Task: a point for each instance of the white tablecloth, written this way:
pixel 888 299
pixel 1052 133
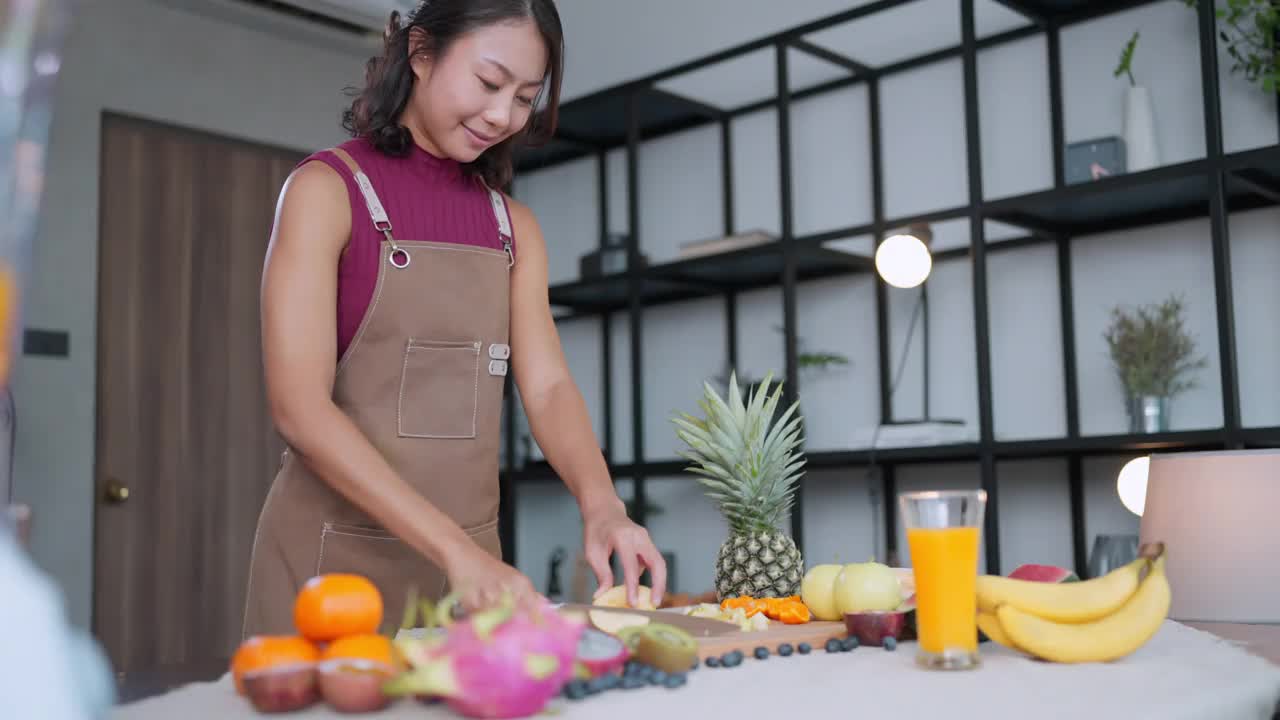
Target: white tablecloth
pixel 1181 674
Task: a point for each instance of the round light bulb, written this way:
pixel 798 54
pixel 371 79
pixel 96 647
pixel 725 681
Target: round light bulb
pixel 1131 484
pixel 903 261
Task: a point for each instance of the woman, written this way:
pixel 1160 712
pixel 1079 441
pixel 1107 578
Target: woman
pixel 391 413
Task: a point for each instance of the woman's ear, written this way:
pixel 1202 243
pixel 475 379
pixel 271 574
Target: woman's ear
pixel 419 57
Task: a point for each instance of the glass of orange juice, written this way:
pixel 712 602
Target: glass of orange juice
pixel 944 528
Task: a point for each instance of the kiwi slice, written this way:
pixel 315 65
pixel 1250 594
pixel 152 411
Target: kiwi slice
pixel 667 648
pixel 629 636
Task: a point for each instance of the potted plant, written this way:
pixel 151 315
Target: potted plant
pixel 1153 357
pixel 1141 150
pixel 1249 30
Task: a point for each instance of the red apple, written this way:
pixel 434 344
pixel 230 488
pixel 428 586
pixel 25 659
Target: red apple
pixel 873 626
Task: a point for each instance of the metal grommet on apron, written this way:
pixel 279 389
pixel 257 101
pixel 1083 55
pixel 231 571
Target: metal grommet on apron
pixel 426 389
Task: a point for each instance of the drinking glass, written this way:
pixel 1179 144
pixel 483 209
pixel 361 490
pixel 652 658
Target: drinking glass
pixel 944 530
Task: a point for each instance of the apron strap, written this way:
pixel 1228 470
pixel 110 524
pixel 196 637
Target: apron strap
pixel 504 221
pixel 376 211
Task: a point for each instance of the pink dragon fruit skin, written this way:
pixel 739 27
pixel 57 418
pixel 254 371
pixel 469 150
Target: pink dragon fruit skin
pixel 510 670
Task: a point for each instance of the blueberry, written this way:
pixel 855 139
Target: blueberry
pixel 785 649
pixel 576 689
pixel 633 682
pixel 834 646
pixel 804 648
pixel 849 643
pixel 675 681
pixel 732 659
pixel 657 677
pixel 761 653
pixel 890 644
pixel 712 661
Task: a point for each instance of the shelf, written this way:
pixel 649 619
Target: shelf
pixel 1069 11
pixel 705 276
pixel 1253 178
pixel 599 122
pixel 1110 444
pixel 1164 194
pixel 1188 440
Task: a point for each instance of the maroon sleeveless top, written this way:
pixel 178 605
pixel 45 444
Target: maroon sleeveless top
pixel 426 198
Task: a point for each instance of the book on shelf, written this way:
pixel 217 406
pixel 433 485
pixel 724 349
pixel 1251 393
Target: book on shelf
pixel 725 243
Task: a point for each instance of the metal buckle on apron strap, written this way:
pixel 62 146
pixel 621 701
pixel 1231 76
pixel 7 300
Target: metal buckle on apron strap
pixel 380 219
pixel 396 250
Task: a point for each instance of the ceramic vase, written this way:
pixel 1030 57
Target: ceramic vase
pixel 1141 148
pixel 1148 414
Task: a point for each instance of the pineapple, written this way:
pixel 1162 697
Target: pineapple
pixel 749 463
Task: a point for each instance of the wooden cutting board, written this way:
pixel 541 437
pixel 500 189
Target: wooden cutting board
pixel 716 637
pixel 816 633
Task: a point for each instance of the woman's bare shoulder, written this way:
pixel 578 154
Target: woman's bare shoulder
pixel 314 207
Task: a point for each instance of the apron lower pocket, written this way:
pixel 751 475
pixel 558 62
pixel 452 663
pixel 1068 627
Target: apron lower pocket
pixel 439 389
pixel 387 561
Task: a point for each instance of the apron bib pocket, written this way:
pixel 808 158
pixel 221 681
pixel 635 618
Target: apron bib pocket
pixel 439 390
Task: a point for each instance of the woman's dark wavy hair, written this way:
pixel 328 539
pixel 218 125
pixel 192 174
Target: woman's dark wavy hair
pixel 389 79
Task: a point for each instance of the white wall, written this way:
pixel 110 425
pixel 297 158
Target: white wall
pixel 925 170
pixel 151 59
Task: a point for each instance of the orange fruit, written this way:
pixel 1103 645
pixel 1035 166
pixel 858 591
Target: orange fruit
pixel 337 604
pixel 265 651
pixel 366 646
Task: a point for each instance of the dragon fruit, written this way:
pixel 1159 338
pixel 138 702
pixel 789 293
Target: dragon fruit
pixel 499 663
pixel 600 653
pixel 1043 573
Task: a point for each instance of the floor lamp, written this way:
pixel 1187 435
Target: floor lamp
pixel 903 260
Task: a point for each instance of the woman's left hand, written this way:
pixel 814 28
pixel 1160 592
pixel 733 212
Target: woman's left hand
pixel 608 530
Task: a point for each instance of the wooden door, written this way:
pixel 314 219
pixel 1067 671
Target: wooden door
pixel 185 446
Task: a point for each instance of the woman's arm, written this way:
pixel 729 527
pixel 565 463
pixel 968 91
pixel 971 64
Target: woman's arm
pixel 299 344
pixel 560 422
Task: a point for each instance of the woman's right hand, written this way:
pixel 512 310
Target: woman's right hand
pixel 482 580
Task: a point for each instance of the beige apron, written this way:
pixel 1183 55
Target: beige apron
pixel 423 379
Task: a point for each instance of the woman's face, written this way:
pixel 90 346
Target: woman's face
pixel 481 92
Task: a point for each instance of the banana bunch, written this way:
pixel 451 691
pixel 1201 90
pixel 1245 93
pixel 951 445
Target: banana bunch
pixel 1097 620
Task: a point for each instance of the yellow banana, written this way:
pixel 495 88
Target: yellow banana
pixel 1103 640
pixel 1062 602
pixel 990 626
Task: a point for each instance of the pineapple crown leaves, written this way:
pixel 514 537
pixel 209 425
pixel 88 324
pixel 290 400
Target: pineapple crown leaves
pixel 747 461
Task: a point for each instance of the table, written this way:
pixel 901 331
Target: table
pixel 1183 673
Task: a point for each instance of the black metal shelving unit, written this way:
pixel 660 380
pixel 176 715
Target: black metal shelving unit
pixel 624 116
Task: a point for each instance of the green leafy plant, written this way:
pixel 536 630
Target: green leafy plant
pixel 1249 29
pixel 1126 59
pixel 1152 350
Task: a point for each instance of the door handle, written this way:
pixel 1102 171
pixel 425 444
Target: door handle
pixel 115 492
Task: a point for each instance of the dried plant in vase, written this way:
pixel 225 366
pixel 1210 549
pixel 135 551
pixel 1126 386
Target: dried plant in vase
pixel 1154 357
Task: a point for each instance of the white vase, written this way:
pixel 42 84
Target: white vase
pixel 1141 150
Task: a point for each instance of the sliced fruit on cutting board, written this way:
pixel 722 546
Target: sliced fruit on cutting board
pixel 612 622
pixel 696 626
pixel 616 596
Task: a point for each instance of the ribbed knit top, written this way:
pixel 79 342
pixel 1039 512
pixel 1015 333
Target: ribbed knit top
pixel 426 197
